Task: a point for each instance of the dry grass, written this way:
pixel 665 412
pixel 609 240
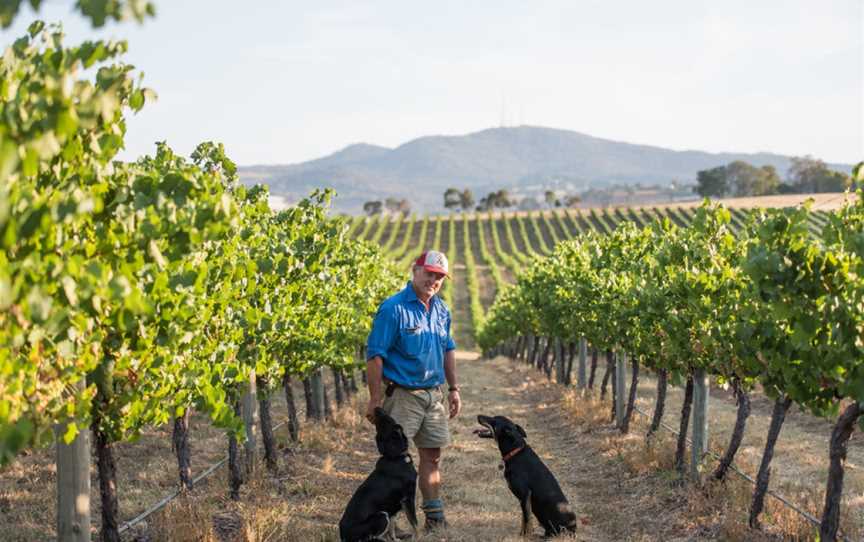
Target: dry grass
pixel 720 510
pixel 146 470
pixel 621 487
pixel 306 500
pixel 799 468
pixel 822 202
pixel 287 505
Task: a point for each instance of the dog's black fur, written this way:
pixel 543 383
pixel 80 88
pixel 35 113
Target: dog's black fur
pixel 390 488
pixel 529 479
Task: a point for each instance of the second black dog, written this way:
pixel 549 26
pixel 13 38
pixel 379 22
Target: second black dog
pixel 390 488
pixel 528 478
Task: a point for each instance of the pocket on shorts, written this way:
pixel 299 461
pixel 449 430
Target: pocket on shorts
pixel 438 396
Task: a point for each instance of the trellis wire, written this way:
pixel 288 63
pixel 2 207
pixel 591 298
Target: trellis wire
pixel 164 502
pixel 785 502
pixel 803 513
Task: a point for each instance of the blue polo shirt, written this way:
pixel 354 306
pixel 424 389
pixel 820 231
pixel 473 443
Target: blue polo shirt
pixel 411 340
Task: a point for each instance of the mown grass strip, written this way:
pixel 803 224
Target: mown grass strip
pixel 543 245
pixel 573 217
pixel 673 216
pixel 607 217
pixel 471 278
pixel 379 232
pixel 408 251
pixel 551 227
pixel 815 223
pixel 620 216
pixel 737 219
pixel 507 259
pixel 634 216
pixel 585 220
pixel 353 225
pixel 436 240
pixel 599 224
pixel 400 249
pixel 486 257
pixel 569 233
pixel 686 214
pixel 367 226
pixel 395 226
pixel 523 231
pixel 447 289
pixel 820 216
pixel 521 255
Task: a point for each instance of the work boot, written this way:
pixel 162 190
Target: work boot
pixel 434 524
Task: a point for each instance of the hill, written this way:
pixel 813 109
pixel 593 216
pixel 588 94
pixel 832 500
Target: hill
pixel 511 157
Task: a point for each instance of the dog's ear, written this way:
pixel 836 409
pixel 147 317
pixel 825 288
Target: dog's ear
pixel 521 431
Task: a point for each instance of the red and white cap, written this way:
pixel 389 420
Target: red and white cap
pixel 434 261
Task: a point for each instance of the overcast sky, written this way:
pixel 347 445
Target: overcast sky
pixel 282 82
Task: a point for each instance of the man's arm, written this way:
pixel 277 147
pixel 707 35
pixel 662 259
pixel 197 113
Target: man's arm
pixel 454 398
pixel 380 339
pixel 374 378
pixel 450 368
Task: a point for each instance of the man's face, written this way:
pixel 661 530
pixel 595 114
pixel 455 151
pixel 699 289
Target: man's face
pixel 426 282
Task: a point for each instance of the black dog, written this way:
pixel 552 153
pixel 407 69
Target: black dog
pixel 389 489
pixel 529 478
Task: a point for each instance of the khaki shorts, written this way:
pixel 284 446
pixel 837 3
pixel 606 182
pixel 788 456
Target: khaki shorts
pixel 422 415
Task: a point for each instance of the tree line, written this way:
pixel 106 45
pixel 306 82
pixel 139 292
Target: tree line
pixel 391 206
pixel 456 199
pixel 806 175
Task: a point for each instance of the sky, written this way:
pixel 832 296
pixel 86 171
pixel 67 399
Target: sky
pixel 286 81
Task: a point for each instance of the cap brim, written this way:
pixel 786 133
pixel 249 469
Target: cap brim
pixel 436 269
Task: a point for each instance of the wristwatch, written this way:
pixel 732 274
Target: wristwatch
pixel 453 388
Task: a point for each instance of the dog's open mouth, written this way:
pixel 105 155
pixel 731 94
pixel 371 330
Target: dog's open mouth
pixel 486 432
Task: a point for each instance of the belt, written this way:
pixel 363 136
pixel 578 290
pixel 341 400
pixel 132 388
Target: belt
pixel 391 387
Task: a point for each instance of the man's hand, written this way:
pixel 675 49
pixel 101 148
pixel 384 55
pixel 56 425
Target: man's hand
pixel 374 367
pixel 370 409
pixel 455 403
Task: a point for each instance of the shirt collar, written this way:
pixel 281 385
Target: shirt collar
pixel 411 295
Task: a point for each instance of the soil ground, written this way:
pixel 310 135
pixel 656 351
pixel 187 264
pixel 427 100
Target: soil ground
pixel 800 464
pixel 620 487
pixel 479 506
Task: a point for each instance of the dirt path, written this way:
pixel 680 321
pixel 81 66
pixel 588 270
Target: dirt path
pixel 479 504
pixel 619 488
pixel 322 476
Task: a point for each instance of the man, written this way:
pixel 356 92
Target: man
pixel 410 354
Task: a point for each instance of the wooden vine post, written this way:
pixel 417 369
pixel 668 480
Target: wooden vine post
pixel 73 485
pixel 582 373
pixel 700 421
pixel 620 388
pixel 250 414
pixel 316 381
pixel 560 367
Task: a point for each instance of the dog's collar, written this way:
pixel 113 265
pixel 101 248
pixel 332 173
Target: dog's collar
pixel 404 458
pixel 511 454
